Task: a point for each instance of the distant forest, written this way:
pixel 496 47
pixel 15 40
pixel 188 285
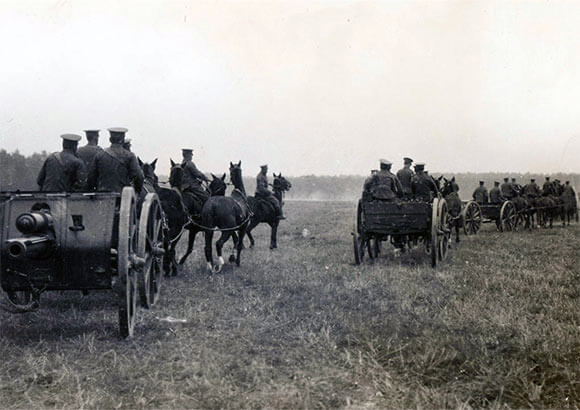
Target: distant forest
pixel 18 172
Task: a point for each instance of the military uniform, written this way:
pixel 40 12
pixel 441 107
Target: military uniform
pixel 507 190
pixel 191 181
pixel 263 192
pixel 531 190
pixel 422 185
pixel 495 196
pixel 63 171
pixel 115 168
pixel 405 176
pixel 548 188
pixel 88 152
pixel 480 195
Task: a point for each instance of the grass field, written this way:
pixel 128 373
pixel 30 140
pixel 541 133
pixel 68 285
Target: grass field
pixel 497 325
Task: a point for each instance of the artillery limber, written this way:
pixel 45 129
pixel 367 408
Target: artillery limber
pixel 404 223
pixel 504 215
pixel 81 241
pixel 471 217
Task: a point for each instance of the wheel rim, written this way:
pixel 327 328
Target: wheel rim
pixel 471 219
pixel 443 231
pixel 508 216
pixel 434 237
pixel 150 243
pixel 127 282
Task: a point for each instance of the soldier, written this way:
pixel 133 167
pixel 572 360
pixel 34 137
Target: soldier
pixel 517 188
pixel 384 184
pixel 114 167
pixel 423 186
pixel 127 144
pixel 480 194
pixel 495 196
pixel 547 188
pixel 87 152
pixel 263 192
pixel 192 180
pixel 531 190
pixel 63 171
pixel 405 176
pixel 507 189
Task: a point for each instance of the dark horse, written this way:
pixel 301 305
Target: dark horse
pixel 228 215
pixel 455 219
pixel 263 211
pixel 174 211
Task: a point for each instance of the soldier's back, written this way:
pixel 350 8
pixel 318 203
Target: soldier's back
pixel 113 166
pixel 63 172
pixel 88 152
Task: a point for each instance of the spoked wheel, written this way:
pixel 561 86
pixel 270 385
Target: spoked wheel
pixel 150 249
pixel 434 239
pixel 21 297
pixel 126 284
pixel 443 230
pixel 508 216
pixel 357 236
pixel 472 218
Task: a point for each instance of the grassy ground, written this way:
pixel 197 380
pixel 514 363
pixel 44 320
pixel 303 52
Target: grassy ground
pixel 497 325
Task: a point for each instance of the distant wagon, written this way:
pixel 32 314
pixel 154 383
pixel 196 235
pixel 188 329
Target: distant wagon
pixel 81 241
pixel 504 215
pixel 403 223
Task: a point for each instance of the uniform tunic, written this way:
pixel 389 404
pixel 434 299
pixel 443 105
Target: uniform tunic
pixel 88 152
pixel 62 172
pixel 495 196
pixel 423 187
pixel 405 176
pixel 531 190
pixel 263 192
pixel 114 168
pixel 548 188
pixel 480 195
pixel 507 190
pixel 384 185
pixel 192 176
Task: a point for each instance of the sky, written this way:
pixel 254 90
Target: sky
pixel 309 87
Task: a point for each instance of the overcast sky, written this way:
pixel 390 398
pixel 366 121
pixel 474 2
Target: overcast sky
pixel 310 87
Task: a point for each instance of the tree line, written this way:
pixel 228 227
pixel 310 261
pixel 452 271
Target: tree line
pixel 19 172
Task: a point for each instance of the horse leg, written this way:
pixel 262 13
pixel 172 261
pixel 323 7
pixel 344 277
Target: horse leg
pixel 208 250
pixel 190 240
pixel 457 232
pixel 219 246
pixel 274 234
pixel 242 232
pixel 253 224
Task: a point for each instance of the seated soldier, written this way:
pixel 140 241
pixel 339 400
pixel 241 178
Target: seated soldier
pixel 495 196
pixel 507 190
pixel 423 186
pixel 480 194
pixel 263 192
pixel 194 194
pixel 531 190
pixel 63 171
pixel 384 185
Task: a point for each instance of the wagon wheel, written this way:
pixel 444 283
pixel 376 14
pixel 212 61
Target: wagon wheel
pixel 434 243
pixel 150 248
pixel 443 229
pixel 20 297
pixel 126 284
pixel 471 218
pixel 357 239
pixel 508 216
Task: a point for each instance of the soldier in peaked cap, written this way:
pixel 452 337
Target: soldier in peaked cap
pixel 87 152
pixel 548 187
pixel 495 196
pixel 423 186
pixel 531 190
pixel 507 189
pixel 115 167
pixel 195 194
pixel 405 176
pixel 480 194
pixel 384 184
pixel 63 171
pixel 263 192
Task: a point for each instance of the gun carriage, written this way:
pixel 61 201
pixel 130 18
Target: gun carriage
pixel 403 222
pixel 472 217
pixel 504 215
pixel 81 241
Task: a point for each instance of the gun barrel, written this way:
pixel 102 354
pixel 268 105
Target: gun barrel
pixel 29 247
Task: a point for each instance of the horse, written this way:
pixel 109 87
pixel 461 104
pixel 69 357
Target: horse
pixel 523 210
pixel 192 223
pixel 264 212
pixel 229 215
pixel 455 219
pixel 547 209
